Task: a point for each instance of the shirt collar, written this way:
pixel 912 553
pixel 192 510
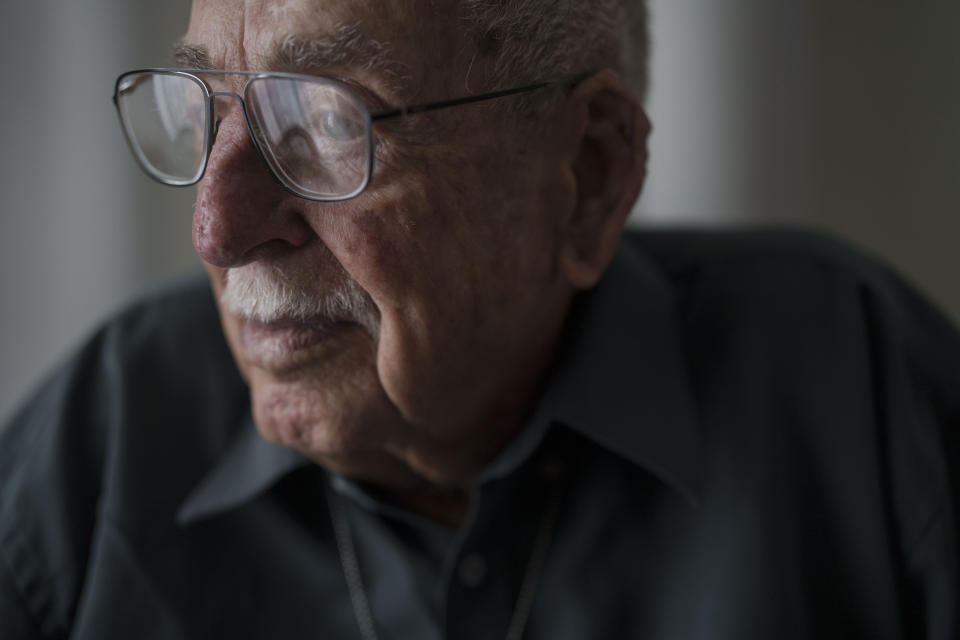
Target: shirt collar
pixel 620 381
pixel 247 467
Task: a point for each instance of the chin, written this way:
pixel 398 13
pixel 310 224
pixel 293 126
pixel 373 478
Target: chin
pixel 355 439
pixel 325 412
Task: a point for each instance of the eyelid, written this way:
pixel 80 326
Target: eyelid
pixel 373 101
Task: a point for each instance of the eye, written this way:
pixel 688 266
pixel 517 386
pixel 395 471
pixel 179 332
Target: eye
pixel 298 144
pixel 336 125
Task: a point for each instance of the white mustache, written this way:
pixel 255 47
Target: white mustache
pixel 271 293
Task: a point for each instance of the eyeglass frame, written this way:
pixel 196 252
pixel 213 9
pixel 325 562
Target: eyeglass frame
pixel 210 130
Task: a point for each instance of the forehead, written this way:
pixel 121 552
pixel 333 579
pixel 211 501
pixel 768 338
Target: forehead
pixel 389 35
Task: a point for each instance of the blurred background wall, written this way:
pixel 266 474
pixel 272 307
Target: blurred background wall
pixel 840 115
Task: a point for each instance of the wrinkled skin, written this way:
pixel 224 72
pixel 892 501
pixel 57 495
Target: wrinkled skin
pixel 464 241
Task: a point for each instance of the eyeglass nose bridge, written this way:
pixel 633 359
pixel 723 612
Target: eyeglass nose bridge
pixel 216 118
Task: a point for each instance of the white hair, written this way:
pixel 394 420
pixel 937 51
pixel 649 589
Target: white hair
pixel 532 40
pixel 301 293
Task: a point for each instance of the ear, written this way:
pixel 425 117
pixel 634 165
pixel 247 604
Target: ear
pixel 609 164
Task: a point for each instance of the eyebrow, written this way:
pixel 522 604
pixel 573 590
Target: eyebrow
pixel 347 47
pixel 189 56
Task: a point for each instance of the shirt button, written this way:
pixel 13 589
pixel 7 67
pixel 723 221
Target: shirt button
pixel 472 570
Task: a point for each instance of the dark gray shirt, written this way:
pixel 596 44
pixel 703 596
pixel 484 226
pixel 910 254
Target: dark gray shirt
pixel 746 435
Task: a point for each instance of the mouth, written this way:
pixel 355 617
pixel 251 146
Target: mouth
pixel 289 335
pixel 286 319
pixel 288 344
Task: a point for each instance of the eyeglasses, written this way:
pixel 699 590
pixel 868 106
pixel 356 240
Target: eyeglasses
pixel 315 134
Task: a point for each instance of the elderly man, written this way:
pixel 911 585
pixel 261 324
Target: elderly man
pixel 454 400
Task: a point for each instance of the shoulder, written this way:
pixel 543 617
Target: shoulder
pixel 803 296
pixel 797 277
pixel 800 338
pixel 755 257
pixel 120 431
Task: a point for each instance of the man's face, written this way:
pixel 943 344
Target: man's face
pixel 402 332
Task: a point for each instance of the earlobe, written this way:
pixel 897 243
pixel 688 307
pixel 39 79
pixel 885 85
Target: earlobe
pixel 609 166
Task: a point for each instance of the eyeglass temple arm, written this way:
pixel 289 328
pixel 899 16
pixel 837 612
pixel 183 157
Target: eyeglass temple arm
pixel 443 104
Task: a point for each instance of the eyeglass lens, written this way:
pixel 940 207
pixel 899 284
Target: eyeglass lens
pixel 164 117
pixel 314 135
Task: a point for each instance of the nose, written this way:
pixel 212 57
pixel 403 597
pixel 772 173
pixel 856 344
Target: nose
pixel 240 209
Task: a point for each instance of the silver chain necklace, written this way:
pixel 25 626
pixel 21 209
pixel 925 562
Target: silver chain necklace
pixel 528 588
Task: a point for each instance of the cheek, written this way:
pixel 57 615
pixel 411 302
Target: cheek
pixel 450 269
pixel 440 249
pixel 401 245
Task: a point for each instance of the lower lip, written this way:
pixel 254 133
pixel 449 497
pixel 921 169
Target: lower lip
pixel 279 342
